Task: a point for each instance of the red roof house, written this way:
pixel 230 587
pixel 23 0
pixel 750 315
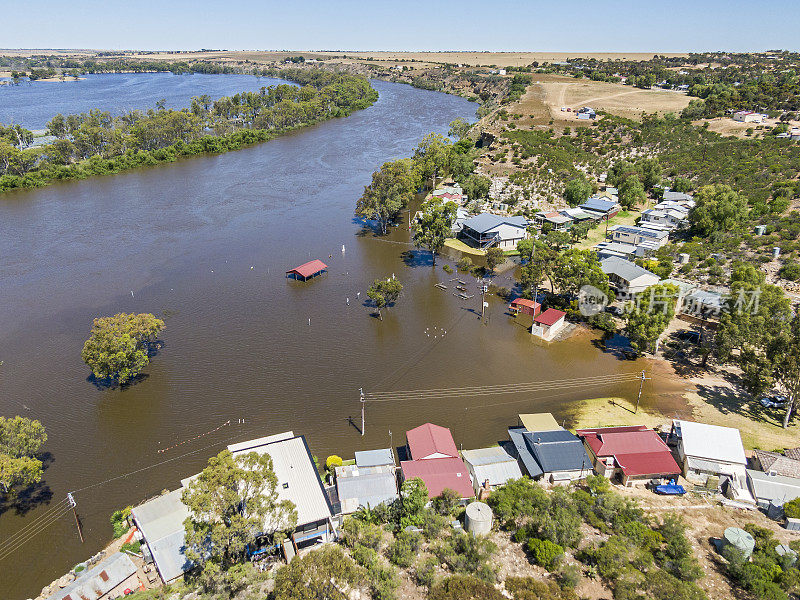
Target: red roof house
pixel 629 454
pixel 440 473
pixel 307 270
pixel 525 306
pixel 547 324
pixel 435 460
pixel 431 441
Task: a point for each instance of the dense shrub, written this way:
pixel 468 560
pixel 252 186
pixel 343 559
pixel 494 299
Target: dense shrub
pixel 545 553
pixel 468 554
pixel 357 532
pixel 403 550
pixel 464 587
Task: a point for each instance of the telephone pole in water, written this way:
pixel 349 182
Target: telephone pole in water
pixel 639 396
pixel 72 505
pixel 363 404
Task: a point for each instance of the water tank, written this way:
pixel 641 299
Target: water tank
pixel 761 229
pixel 784 550
pixel 683 258
pixel 739 539
pixel 478 518
pixel 776 252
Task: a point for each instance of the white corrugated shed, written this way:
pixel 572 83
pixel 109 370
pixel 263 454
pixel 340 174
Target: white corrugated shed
pixel 298 480
pixel 160 522
pixel 711 442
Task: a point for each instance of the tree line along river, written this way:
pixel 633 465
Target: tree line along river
pixel 204 243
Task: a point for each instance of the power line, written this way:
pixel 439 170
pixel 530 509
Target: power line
pixel 510 388
pixel 36 520
pixel 8 550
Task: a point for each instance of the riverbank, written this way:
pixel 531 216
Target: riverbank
pixel 166 135
pixel 710 399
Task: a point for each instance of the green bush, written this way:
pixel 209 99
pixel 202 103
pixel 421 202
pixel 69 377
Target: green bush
pixel 446 503
pixel 119 521
pixel 569 575
pixel 464 587
pixel 792 509
pixel 403 550
pixel 468 554
pixel 528 588
pixel 447 269
pixel 135 547
pixel 464 263
pixel 545 553
pixel 356 532
pixel 425 571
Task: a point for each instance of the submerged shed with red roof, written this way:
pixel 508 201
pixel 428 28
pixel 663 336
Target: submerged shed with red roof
pixel 629 454
pixel 307 270
pixel 525 306
pixel 547 324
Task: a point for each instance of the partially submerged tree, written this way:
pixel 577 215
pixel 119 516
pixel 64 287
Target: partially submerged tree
pixel 384 292
pixel 119 347
pixel 434 225
pixel 391 190
pixel 431 158
pixel 652 312
pixel 20 441
pixel 494 256
pixel 232 503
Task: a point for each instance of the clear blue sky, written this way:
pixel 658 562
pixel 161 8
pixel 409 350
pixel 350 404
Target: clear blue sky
pixel 512 25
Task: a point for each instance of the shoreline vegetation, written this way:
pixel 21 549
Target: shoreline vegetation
pixel 97 143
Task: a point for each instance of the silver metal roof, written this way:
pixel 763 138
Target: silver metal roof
pixel 161 523
pixel 775 488
pixel 298 480
pixel 99 580
pixel 373 458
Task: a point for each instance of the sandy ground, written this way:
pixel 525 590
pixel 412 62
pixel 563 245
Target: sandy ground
pixel 615 98
pixel 728 127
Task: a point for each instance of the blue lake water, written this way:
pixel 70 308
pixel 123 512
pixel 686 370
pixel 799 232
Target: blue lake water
pixel 33 104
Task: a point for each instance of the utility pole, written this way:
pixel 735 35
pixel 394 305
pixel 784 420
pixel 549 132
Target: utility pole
pixel 483 297
pixel 639 396
pixel 72 505
pixel 363 403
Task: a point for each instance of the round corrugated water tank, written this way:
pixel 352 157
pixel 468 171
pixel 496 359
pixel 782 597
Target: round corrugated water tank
pixel 739 539
pixel 784 550
pixel 478 518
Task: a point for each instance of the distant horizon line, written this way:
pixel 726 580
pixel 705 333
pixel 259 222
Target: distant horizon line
pixel 175 50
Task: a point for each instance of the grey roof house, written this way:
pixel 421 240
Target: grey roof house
pixel 490 467
pixel 557 455
pixel 627 277
pixel 369 482
pixel 486 230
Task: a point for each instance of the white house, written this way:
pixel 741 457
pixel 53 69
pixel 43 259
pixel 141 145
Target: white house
pixel 748 116
pixel 626 277
pixel 486 230
pixel 773 489
pixel 547 324
pixel 706 450
pixel 669 217
pixel 629 234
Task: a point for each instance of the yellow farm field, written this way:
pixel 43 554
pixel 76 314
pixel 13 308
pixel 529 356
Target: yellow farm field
pixel 615 98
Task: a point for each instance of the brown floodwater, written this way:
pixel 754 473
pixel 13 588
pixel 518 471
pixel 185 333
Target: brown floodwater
pixel 204 243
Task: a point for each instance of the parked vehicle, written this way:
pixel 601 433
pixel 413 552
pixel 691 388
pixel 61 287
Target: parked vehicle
pixel 773 401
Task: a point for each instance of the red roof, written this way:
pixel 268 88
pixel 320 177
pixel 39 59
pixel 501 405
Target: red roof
pixel 438 474
pixel 524 302
pixel 624 442
pixel 637 450
pixel 308 269
pixel 428 439
pixel 648 463
pixel 550 317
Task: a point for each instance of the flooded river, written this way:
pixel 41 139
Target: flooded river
pixel 205 243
